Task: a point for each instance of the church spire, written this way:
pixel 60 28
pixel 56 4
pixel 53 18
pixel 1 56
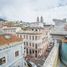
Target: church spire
pixel 41 19
pixel 37 19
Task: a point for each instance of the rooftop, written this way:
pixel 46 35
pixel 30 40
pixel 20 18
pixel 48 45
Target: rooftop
pixel 59 31
pixel 8 38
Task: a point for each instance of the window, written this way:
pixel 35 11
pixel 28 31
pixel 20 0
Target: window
pixel 16 53
pixel 30 51
pixel 35 37
pixel 25 64
pixel 32 29
pixel 33 44
pixel 32 37
pixel 24 36
pixel 27 50
pixel 33 51
pixel 36 46
pixel 24 47
pixel 2 60
pixel 30 44
pixel 24 43
pixel 35 29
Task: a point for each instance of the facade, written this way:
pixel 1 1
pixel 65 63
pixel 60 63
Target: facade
pixel 1 23
pixel 58 55
pixel 59 21
pixel 11 30
pixel 11 51
pixel 35 41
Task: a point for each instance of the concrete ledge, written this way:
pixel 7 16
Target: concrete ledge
pixel 51 60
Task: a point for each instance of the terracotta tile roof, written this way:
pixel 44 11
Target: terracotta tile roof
pixel 8 38
pixel 65 40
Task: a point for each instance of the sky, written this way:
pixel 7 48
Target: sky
pixel 28 10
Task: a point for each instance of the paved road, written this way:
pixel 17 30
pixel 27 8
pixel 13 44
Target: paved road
pixel 38 62
pixel 33 65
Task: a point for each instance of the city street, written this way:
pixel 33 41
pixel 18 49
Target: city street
pixel 40 61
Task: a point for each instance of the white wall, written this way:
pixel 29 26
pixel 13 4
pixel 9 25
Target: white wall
pixel 9 53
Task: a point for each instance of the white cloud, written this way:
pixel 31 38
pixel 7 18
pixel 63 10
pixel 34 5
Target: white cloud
pixel 28 10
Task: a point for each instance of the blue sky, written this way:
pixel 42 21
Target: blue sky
pixel 28 10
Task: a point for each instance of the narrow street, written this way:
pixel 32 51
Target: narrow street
pixel 40 61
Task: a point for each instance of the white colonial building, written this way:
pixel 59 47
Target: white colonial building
pixel 35 40
pixel 11 51
pixel 11 30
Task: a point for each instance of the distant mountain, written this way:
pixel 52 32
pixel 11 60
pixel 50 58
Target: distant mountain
pixel 1 19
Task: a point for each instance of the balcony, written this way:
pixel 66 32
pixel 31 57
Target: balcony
pixel 31 32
